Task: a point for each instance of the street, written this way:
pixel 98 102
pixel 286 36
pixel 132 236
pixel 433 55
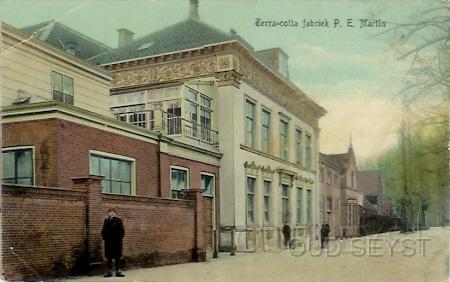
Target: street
pixel 419 256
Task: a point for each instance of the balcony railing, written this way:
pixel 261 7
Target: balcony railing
pixel 170 124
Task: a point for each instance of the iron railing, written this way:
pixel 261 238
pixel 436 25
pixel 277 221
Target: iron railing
pixel 171 125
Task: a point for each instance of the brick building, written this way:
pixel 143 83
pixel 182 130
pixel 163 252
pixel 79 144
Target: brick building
pixel 349 202
pixel 66 160
pixel 330 195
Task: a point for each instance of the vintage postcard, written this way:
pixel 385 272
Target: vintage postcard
pixel 224 140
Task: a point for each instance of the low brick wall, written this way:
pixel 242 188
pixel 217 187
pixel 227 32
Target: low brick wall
pixel 158 231
pixel 43 231
pixel 51 232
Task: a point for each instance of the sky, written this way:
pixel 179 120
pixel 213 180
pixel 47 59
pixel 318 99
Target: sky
pixel 353 72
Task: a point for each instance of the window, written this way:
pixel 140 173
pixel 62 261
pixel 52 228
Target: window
pixel 207 184
pixel 336 180
pixel 250 200
pixel 265 131
pixel 299 204
pixel 62 88
pixel 116 173
pixel 309 206
pixel 178 182
pixel 198 111
pixel 285 202
pixel 250 124
pixel 308 151
pixel 174 119
pixel 18 166
pixel 299 146
pixel 321 172
pixel 328 179
pixel 373 200
pixel 284 129
pixel 329 204
pixel 267 207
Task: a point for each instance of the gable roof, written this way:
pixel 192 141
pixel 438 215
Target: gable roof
pixel 187 34
pixel 64 38
pixel 369 182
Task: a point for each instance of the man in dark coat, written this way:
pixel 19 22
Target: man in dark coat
pixel 287 234
pixel 113 233
pixel 324 235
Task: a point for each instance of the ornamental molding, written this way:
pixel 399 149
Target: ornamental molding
pixel 251 165
pixel 229 63
pixel 228 78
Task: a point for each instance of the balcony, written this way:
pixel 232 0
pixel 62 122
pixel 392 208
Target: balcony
pixel 172 125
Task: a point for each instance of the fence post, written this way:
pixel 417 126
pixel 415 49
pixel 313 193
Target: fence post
pixel 199 232
pixel 94 215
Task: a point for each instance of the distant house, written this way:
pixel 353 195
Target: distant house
pixel 370 183
pixel 350 200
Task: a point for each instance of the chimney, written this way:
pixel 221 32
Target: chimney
pixel 125 36
pixel 193 12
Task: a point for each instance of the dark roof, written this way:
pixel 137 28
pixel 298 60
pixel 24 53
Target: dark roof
pixel 329 161
pixel 187 34
pixel 62 36
pixel 369 182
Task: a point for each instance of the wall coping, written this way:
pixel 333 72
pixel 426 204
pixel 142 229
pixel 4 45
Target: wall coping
pixel 13 189
pixel 145 200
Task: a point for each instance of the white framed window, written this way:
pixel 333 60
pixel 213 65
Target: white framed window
pixel 285 202
pixel 299 204
pixel 299 146
pixel 118 172
pixel 309 206
pixel 63 88
pixel 207 184
pixel 198 111
pixel 18 165
pixel 284 137
pixel 265 130
pixel 308 150
pixel 250 123
pixel 267 201
pixel 251 186
pixel 179 180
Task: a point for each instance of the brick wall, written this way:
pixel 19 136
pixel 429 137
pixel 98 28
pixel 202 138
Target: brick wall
pixel 52 232
pixel 43 231
pixel 62 153
pixel 42 135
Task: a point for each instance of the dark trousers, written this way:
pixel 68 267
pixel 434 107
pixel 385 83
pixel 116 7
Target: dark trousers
pixel 323 242
pixel 109 263
pixel 286 241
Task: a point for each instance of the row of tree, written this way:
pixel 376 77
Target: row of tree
pixel 416 169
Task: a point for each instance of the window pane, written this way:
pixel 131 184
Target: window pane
pixel 57 82
pixel 115 170
pixel 25 181
pixel 115 187
pixel 58 96
pixel 8 165
pixel 24 163
pixel 126 188
pixel 68 99
pixel 68 85
pixel 125 171
pixel 106 186
pixel 95 165
pixel 206 183
pixel 104 168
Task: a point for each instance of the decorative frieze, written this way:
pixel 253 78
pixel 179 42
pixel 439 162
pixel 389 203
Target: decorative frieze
pixel 251 168
pixel 267 172
pixel 228 78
